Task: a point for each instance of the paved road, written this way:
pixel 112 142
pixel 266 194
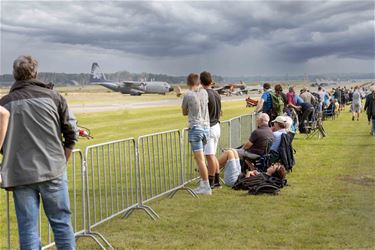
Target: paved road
pixel 89 108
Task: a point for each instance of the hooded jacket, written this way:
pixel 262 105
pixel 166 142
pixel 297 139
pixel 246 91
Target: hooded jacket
pixel 40 126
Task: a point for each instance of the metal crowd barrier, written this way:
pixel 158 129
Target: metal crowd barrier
pixel 118 177
pixel 235 132
pixel 111 183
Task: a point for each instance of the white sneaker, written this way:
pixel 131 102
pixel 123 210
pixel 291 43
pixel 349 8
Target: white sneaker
pixel 203 190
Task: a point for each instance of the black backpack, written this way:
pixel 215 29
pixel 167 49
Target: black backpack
pixel 260 184
pixel 286 152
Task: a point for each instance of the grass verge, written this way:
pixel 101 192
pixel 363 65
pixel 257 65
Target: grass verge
pixel 329 204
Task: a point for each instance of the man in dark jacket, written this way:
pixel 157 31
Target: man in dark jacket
pixel 35 156
pixel 370 109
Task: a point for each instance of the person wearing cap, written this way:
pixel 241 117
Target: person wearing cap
pixel 278 128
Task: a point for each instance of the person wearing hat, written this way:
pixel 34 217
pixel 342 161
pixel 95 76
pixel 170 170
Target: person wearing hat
pixel 278 128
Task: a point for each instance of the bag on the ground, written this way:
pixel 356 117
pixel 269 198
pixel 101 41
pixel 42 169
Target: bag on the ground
pixel 260 184
pixel 277 104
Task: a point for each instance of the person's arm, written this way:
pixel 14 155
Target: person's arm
pixel 4 120
pixel 69 128
pixel 259 106
pixel 68 153
pixel 247 145
pixel 184 106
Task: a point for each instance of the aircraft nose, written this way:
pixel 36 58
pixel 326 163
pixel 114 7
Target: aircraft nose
pixel 171 89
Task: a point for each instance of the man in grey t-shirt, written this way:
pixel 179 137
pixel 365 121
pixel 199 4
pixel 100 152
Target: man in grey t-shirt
pixel 195 106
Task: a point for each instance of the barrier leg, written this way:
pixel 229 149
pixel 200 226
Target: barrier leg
pixel 153 215
pixel 189 190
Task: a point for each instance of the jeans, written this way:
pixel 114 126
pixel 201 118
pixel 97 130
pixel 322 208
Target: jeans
pixel 198 137
pixel 55 198
pixel 373 127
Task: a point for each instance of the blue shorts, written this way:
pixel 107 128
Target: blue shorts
pixel 198 137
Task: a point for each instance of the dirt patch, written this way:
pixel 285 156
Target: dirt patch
pixel 365 180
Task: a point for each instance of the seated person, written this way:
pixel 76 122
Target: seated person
pixel 278 128
pixel 229 160
pixel 258 141
pixel 330 110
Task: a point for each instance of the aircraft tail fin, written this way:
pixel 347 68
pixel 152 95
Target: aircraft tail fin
pixel 96 74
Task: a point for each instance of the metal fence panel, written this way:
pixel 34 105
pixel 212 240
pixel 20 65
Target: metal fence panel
pixel 160 164
pixel 235 132
pixel 111 180
pixel 224 141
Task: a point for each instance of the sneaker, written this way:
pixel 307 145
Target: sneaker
pixel 216 186
pixel 203 190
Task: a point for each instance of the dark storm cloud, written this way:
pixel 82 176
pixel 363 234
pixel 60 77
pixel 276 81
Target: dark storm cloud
pixel 292 31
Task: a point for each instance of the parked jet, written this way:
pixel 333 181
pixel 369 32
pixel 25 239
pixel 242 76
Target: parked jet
pixel 128 87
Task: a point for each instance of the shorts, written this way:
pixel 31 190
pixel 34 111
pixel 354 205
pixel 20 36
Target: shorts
pixel 213 140
pixel 356 107
pixel 231 172
pixel 198 137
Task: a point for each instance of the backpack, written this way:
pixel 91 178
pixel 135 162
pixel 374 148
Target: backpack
pixel 277 104
pixel 286 152
pixel 260 184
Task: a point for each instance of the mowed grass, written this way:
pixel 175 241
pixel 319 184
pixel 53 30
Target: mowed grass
pixel 329 203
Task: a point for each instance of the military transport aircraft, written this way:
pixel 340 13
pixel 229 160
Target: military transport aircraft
pixel 128 87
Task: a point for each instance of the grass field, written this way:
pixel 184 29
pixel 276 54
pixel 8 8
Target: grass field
pixel 329 203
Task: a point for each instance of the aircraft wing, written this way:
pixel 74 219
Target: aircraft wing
pixel 133 83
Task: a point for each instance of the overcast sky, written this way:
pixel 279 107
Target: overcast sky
pixel 228 38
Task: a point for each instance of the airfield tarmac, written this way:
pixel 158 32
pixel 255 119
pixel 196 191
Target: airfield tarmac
pixel 142 102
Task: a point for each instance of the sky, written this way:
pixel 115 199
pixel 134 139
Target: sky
pixel 227 38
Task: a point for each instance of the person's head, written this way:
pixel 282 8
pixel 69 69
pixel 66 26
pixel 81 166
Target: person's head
pixel 192 80
pixel 25 68
pixel 303 90
pixel 319 88
pixel 206 78
pixel 262 119
pixel 266 86
pixel 291 89
pixel 276 170
pixel 278 123
pixel 278 88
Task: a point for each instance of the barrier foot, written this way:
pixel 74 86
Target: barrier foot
pixel 103 239
pixel 90 235
pixel 153 215
pixel 189 190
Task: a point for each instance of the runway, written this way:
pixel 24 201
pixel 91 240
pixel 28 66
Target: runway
pixel 92 108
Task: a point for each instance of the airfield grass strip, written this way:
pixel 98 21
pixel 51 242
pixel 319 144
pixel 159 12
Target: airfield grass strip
pixel 329 204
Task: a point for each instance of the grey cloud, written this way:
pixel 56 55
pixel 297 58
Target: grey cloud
pixel 173 29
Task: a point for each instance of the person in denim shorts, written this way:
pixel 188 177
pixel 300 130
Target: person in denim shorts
pixel 195 106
